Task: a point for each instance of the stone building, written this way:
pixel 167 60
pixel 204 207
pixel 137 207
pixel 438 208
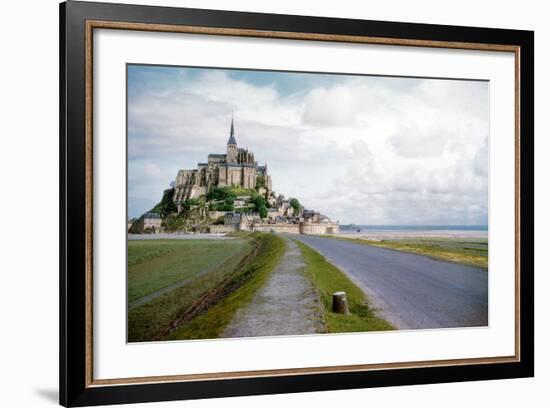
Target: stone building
pixel 235 168
pixel 153 221
pixel 311 223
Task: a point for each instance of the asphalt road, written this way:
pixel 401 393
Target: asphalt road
pixel 411 291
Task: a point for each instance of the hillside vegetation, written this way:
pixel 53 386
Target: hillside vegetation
pixel 194 212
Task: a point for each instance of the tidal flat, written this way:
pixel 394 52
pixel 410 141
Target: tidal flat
pixel 464 247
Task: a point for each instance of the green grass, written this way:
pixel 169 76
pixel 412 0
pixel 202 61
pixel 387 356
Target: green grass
pixel 249 278
pixel 153 319
pixel 239 234
pixel 329 279
pixel 466 251
pixel 155 264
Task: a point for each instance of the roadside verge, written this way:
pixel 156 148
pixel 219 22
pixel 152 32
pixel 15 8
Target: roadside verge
pixel 329 279
pixel 211 322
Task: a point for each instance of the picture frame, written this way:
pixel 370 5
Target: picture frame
pixel 79 21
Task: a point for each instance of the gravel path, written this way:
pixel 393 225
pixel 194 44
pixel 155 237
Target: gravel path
pixel 286 305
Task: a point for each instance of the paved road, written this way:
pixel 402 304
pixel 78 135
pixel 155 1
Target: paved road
pixel 286 305
pixel 411 291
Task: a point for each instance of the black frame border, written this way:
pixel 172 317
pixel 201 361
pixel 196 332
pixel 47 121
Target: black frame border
pixel 72 125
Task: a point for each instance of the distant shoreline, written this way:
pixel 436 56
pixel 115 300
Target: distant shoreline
pixel 399 234
pixel 378 232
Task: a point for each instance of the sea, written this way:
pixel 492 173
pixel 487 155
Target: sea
pixel 416 230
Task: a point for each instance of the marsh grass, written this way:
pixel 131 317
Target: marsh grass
pixel 466 251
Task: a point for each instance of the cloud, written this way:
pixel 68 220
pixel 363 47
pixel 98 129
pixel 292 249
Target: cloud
pixel 334 106
pixel 481 158
pixel 368 150
pixel 151 169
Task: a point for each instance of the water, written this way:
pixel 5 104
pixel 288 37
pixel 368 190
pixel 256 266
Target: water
pixel 382 228
pixel 416 230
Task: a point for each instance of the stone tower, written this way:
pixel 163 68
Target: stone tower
pixel 232 145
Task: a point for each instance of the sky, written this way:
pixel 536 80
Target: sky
pixel 359 149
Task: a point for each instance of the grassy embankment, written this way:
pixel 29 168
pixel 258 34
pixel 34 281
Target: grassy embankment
pixel 202 265
pixel 217 278
pixel 329 279
pixel 249 278
pixel 467 251
pixel 155 264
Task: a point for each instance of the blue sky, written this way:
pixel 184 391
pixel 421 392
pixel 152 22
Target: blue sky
pixel 361 149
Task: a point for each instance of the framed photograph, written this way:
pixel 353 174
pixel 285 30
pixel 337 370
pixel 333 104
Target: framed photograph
pixel 256 203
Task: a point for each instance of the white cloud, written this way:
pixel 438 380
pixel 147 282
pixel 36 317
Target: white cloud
pixel 151 169
pixel 363 150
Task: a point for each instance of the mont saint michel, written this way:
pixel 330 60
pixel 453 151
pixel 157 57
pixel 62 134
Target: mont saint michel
pixel 273 203
pixel 234 168
pixel 230 192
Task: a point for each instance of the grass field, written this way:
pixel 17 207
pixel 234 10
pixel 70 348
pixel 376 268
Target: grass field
pixel 467 251
pixel 329 279
pixel 191 289
pixel 249 277
pixel 154 264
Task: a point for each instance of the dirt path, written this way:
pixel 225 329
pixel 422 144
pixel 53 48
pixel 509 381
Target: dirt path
pixel 286 305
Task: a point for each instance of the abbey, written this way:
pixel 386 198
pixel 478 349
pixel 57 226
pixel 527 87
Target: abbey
pixel 198 202
pixel 236 168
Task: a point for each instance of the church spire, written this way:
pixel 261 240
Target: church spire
pixel 232 140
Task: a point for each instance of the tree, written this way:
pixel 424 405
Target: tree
pixel 295 204
pixel 259 201
pixel 263 211
pixel 191 201
pixel 226 207
pixel 221 193
pixel 187 204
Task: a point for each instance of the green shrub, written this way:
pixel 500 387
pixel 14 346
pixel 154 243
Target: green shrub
pixel 259 201
pixel 263 211
pixel 222 207
pixel 222 193
pixel 295 204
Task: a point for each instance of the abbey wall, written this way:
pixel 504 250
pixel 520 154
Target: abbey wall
pixel 236 168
